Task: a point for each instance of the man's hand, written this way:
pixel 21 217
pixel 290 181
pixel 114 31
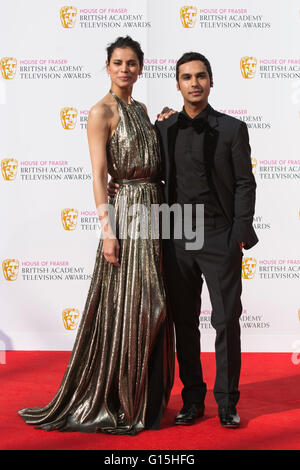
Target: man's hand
pixel 165 113
pixel 241 245
pixel 112 188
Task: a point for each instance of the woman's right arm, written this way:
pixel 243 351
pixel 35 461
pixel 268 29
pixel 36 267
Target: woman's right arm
pixel 98 131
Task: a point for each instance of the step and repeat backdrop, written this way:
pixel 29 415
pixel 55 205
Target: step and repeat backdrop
pixel 52 61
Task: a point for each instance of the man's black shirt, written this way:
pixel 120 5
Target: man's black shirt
pixel 190 175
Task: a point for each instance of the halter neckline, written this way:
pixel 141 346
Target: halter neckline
pixel 121 101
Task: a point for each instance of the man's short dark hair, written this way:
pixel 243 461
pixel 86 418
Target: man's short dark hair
pixel 123 42
pixel 188 57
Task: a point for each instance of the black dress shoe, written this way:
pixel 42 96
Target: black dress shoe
pixel 229 417
pixel 189 413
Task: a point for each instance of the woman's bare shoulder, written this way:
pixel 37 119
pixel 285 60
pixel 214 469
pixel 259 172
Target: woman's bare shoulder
pixel 105 109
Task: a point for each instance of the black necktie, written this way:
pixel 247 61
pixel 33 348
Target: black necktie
pixel 198 124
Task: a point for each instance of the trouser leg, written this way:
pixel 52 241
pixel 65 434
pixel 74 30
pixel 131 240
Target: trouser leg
pixel 184 285
pixel 221 266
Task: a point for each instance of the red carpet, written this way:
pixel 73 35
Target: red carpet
pixel 269 408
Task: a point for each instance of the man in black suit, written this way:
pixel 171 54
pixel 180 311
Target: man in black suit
pixel 206 156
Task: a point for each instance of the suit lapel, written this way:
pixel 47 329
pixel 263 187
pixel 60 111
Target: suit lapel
pixel 171 139
pixel 211 137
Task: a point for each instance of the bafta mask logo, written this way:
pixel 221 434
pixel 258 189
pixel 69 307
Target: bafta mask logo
pixel 70 318
pixel 8 67
pixel 68 17
pixel 9 167
pixel 299 314
pixel 69 218
pixel 248 66
pixel 68 117
pixel 254 165
pixel 10 269
pixel 248 268
pixel 188 16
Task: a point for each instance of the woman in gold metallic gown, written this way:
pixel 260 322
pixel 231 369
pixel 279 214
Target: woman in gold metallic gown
pixel 120 372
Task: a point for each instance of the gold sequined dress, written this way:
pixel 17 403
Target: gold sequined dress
pixel 120 372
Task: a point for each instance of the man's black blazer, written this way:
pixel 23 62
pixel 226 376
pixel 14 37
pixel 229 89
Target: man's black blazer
pixel 228 169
